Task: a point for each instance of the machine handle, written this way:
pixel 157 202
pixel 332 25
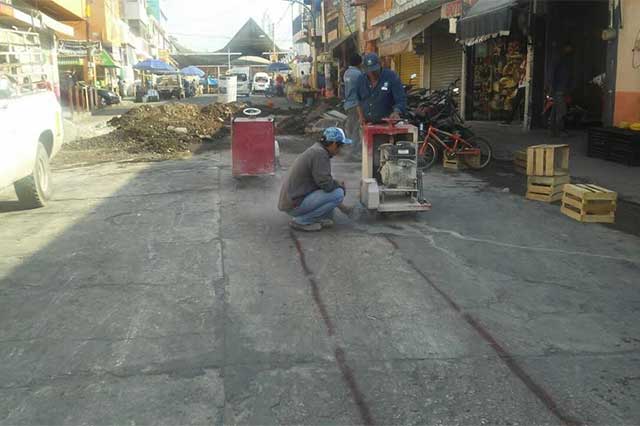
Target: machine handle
pixel 392 121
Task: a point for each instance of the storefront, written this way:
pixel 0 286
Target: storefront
pixel 506 40
pixel 574 35
pixel 443 56
pixel 404 48
pixel 495 37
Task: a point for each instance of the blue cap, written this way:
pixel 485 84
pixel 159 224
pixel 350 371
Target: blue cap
pixel 371 62
pixel 336 134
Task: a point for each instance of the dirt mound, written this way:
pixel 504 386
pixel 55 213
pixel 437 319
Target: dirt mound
pixel 164 129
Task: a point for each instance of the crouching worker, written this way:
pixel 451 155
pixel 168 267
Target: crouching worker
pixel 309 193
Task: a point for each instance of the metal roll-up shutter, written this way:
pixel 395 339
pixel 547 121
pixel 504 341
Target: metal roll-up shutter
pixel 446 59
pixel 410 63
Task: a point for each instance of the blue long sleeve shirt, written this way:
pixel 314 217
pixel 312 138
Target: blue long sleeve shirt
pixel 351 78
pixel 385 98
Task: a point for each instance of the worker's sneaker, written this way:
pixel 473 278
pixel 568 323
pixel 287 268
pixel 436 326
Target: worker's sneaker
pixel 312 227
pixel 326 223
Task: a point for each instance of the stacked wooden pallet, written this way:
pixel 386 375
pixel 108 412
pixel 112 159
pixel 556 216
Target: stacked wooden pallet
pixel 457 162
pixel 547 172
pixel 520 161
pixel 589 203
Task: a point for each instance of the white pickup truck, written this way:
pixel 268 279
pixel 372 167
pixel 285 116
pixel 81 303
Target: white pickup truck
pixel 30 135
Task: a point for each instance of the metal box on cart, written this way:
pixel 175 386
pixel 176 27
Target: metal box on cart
pixel 253 146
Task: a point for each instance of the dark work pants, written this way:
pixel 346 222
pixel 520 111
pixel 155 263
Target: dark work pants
pixel 517 103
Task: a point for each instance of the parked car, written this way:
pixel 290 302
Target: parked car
pixel 261 82
pixel 108 97
pixel 31 136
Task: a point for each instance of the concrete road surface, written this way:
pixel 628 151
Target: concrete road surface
pixel 171 293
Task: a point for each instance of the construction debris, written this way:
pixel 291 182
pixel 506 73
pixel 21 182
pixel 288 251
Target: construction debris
pixel 164 129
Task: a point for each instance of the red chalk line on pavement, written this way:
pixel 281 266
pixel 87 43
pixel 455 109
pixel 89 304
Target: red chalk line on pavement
pixel 347 373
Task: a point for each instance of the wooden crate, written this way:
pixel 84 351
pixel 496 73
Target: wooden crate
pixel 589 203
pixel 548 160
pixel 520 161
pixel 459 163
pixel 546 188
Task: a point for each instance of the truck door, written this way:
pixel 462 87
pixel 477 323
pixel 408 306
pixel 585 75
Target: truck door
pixel 9 143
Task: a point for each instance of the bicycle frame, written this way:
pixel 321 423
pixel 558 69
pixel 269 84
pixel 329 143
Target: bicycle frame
pixel 460 146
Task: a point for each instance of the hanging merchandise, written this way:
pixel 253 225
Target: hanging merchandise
pixel 497 70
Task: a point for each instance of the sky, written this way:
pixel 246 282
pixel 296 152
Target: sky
pixel 207 25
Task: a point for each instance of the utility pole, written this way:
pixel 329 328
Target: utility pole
pixel 312 41
pixel 273 37
pixel 89 74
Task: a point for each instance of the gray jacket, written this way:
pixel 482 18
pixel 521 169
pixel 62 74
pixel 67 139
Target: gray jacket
pixel 310 171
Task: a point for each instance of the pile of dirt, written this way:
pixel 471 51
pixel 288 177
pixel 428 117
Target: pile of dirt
pixel 301 122
pixel 291 125
pixel 165 129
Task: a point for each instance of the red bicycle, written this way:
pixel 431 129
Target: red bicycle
pixel 476 152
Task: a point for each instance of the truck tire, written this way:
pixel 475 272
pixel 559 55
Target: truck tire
pixel 34 191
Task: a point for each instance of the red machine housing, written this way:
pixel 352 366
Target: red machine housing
pixel 253 146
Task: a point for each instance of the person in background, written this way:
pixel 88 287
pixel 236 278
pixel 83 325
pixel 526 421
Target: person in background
pixel 280 85
pixel 352 124
pixel 322 83
pixel 309 193
pixel 121 88
pixel 304 80
pixel 560 86
pixel 380 92
pixel 44 83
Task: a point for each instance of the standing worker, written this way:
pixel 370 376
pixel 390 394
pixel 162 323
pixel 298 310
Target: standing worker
pixel 380 92
pixel 309 193
pixel 352 124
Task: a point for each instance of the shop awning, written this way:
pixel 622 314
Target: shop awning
pixel 333 45
pixel 485 19
pixel 105 60
pixel 401 41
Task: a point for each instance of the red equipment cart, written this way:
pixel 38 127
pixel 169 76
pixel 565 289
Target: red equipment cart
pixel 253 149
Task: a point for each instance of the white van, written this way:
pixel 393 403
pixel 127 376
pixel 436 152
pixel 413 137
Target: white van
pixel 261 82
pixel 244 83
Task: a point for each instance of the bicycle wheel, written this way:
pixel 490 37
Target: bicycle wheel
pixel 485 153
pixel 428 158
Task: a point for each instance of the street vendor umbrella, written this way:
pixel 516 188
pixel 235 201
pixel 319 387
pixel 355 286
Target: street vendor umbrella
pixel 278 66
pixel 192 71
pixel 154 66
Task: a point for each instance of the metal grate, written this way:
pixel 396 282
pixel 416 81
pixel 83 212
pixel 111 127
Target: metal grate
pixel 22 58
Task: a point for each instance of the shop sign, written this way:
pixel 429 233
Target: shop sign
pixel 324 57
